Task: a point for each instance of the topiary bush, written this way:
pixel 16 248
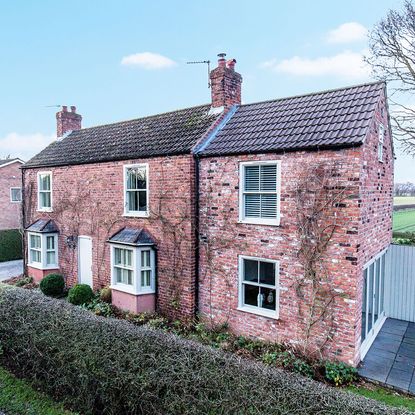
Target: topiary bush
pixel 80 294
pixel 52 285
pixel 106 366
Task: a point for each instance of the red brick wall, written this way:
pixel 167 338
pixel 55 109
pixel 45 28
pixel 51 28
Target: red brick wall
pixel 219 225
pixel 88 200
pixel 376 192
pixel 10 176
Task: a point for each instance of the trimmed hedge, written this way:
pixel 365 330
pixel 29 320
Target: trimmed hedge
pixel 11 245
pixel 106 366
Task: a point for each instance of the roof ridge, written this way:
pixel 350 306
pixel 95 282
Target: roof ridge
pixel 141 118
pixel 324 91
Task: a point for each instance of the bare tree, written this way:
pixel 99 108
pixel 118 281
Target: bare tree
pixel 392 58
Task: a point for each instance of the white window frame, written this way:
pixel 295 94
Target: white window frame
pixel 11 193
pixel 252 309
pixel 136 287
pixel 143 214
pixel 258 221
pixel 43 251
pixel 40 208
pixel 381 140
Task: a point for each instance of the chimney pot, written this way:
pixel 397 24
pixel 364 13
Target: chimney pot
pixel 221 60
pixel 64 108
pixel 73 108
pixel 231 64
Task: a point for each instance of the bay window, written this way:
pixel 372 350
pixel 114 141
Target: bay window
pixel 259 286
pixel 43 250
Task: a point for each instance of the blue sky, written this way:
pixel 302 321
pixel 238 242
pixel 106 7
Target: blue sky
pixel 91 54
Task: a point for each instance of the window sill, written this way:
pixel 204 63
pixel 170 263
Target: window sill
pixel 136 215
pixel 49 210
pixel 39 266
pixel 263 313
pixel 129 290
pixel 260 222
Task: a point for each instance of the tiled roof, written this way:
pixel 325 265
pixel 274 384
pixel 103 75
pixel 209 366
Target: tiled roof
pixel 43 226
pixel 335 118
pixel 7 161
pixel 132 236
pixel 164 134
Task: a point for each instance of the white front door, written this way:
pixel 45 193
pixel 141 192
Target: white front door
pixel 85 260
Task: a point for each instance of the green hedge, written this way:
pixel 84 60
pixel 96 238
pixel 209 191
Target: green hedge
pixel 11 246
pixel 106 366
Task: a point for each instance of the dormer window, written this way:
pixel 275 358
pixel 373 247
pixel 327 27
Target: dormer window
pixel 381 139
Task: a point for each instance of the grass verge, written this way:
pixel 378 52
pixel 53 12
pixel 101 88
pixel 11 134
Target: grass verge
pixel 387 396
pixel 17 397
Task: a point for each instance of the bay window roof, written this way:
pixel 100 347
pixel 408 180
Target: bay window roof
pixel 43 226
pixel 132 236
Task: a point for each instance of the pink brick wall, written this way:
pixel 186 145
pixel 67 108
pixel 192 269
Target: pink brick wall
pixel 10 176
pixel 88 200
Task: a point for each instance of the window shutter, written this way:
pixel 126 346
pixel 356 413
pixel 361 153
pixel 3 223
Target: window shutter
pixel 251 178
pixel 269 178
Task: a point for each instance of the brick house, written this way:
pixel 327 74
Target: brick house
pixel 197 211
pixel 10 193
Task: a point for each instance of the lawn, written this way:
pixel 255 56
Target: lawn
pixel 384 395
pixel 17 397
pixel 404 200
pixel 404 220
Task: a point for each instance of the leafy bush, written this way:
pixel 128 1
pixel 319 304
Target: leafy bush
pixel 340 373
pixel 80 294
pixel 23 281
pixel 105 295
pixel 404 238
pixel 108 367
pixel 52 285
pixel 11 246
pixel 99 307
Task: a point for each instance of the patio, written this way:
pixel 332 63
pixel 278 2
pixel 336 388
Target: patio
pixel 391 358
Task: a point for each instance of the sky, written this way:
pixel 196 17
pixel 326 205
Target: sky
pixel 118 60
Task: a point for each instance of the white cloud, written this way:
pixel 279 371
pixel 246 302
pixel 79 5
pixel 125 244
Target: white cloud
pixel 148 60
pixel 347 33
pixel 24 146
pixel 346 64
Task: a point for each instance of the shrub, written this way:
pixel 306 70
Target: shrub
pixel 340 373
pixel 105 295
pixel 108 366
pixel 52 285
pixel 11 246
pixel 80 294
pixel 21 282
pixel 98 307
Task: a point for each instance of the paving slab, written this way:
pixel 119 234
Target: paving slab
pixel 391 358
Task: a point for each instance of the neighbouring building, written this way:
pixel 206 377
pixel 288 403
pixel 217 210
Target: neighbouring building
pixel 272 217
pixel 10 193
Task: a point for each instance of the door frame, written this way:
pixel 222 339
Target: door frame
pixel 376 325
pixel 79 257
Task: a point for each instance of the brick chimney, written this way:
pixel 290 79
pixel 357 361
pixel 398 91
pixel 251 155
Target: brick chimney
pixel 225 83
pixel 67 121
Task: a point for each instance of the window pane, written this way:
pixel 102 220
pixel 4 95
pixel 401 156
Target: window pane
pixel 251 294
pixel 136 178
pixel 252 206
pixel 146 279
pixel 132 200
pixel 35 256
pixel 251 178
pixel 268 206
pixel 128 277
pixel 44 182
pixel 128 258
pixel 269 178
pixel 50 242
pixel 117 256
pixel 118 274
pixel 250 270
pixel 267 273
pixel 141 179
pixel 35 241
pixel 16 195
pixel 50 258
pixel 142 201
pixel 145 259
pixel 267 297
pixel 45 200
